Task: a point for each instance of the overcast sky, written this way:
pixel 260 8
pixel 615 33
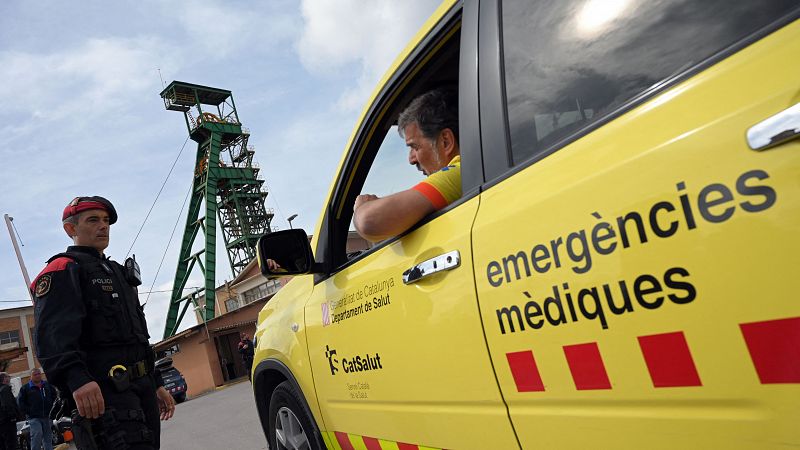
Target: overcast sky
pixel 81 113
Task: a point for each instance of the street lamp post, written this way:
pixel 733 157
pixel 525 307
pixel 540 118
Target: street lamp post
pixel 290 219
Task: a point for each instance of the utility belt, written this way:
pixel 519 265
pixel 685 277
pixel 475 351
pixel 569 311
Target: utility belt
pixel 121 375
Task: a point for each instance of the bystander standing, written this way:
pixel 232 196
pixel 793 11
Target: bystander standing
pixel 35 400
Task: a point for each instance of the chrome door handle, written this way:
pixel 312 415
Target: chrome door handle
pixel 448 261
pixel 775 130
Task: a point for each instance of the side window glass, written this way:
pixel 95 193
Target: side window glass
pixel 391 172
pixel 571 62
pixel 378 164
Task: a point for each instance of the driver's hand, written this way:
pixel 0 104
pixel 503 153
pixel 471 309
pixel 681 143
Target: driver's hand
pixel 364 198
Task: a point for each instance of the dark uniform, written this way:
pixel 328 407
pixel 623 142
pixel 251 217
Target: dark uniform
pixel 89 324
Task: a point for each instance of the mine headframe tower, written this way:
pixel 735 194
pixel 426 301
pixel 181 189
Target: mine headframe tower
pixel 226 181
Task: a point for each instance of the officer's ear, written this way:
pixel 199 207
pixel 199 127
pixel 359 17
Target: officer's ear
pixel 69 228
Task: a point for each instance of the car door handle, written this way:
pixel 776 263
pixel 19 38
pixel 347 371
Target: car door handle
pixel 447 261
pixel 775 130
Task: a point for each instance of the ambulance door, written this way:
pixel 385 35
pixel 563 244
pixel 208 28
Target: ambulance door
pixel 636 249
pixel 394 332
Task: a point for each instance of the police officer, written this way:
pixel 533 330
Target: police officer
pixel 91 336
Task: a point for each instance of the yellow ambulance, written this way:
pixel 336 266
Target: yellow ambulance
pixel 622 270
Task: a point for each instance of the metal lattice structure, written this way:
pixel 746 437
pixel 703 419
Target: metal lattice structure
pixel 226 182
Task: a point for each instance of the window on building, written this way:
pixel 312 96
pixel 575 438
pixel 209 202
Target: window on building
pixel 172 350
pixel 7 337
pixel 231 304
pixel 273 286
pixel 254 294
pixel 261 291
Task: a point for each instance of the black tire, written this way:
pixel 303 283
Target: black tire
pixel 285 402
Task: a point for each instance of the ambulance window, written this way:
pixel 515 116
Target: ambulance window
pixel 570 63
pixel 378 162
pixel 391 172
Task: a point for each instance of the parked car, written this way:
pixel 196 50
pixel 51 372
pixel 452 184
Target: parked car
pixel 174 382
pixel 619 272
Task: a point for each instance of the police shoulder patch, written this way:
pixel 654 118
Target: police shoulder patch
pixel 43 285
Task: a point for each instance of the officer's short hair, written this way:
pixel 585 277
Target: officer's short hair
pixel 432 111
pixel 4 377
pixel 73 219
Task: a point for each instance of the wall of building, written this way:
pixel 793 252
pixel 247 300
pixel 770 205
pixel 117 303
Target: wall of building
pixel 20 320
pixel 199 359
pixel 193 361
pixel 355 242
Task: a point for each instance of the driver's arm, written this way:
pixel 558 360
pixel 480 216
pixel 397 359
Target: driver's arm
pixel 378 218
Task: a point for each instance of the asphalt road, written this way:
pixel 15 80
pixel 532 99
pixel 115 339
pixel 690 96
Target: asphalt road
pixel 222 420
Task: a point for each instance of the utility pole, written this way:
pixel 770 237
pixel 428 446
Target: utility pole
pixel 9 219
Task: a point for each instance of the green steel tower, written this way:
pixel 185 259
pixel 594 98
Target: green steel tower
pixel 226 182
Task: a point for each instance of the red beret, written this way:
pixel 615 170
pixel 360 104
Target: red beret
pixel 80 204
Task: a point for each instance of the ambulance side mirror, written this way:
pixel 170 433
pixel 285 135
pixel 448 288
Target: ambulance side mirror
pixel 283 253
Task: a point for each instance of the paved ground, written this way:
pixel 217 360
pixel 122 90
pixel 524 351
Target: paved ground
pixel 225 419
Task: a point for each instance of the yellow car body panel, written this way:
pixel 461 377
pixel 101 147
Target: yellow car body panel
pixel 276 338
pixel 409 390
pixel 679 371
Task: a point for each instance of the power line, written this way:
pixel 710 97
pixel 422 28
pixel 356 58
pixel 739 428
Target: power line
pixel 163 85
pixel 16 231
pixel 271 192
pixel 191 185
pixel 157 195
